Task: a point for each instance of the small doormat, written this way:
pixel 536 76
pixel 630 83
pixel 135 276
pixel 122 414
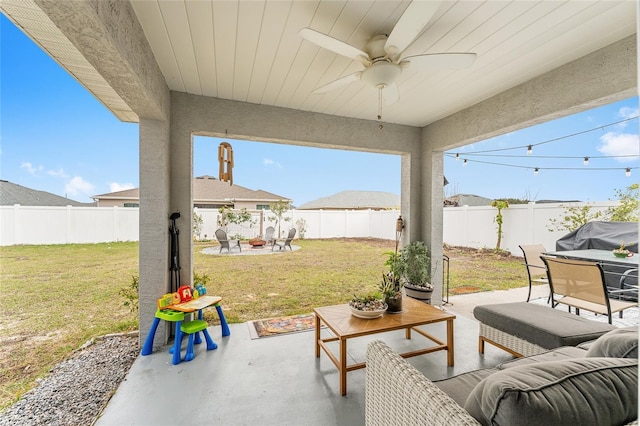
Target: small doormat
pixel 281 325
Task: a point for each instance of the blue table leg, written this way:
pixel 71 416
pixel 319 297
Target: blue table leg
pixel 211 345
pixel 148 343
pixel 223 321
pixel 198 340
pixel 177 344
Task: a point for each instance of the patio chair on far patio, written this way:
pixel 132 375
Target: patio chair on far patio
pixel 268 235
pixel 536 269
pixel 287 241
pixel 221 236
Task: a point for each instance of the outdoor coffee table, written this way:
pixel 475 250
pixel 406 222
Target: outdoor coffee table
pixel 345 326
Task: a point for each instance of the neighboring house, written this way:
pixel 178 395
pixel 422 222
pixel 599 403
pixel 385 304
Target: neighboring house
pixel 355 200
pixel 12 193
pixel 208 193
pixel 460 200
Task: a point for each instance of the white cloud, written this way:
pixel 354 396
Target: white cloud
pixel 270 163
pixel 115 186
pixel 78 186
pixel 31 169
pixel 57 173
pixel 628 112
pixel 615 144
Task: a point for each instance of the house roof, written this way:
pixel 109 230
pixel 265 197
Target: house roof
pixel 206 189
pixel 355 200
pixel 12 193
pixel 459 200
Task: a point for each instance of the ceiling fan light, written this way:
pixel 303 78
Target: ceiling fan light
pixel 381 73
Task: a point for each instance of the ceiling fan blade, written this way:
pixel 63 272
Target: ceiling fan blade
pixel 390 94
pixel 439 61
pixel 338 83
pixel 410 24
pixel 333 44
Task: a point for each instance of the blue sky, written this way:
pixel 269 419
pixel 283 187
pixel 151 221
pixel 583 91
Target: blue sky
pixel 56 137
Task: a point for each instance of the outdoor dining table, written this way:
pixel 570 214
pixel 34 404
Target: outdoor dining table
pixel 611 265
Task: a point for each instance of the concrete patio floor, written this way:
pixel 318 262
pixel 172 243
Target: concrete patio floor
pixel 278 380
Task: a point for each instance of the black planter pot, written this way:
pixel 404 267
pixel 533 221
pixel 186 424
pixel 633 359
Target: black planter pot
pixel 394 304
pixel 418 292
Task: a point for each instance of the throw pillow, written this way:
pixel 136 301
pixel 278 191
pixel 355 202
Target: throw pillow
pixel 618 343
pixel 584 391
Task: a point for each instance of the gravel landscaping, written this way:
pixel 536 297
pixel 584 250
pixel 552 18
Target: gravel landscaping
pixel 77 390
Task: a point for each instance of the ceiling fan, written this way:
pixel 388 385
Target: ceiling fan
pixel 382 55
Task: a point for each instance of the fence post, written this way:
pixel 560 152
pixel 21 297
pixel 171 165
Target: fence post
pixel 67 234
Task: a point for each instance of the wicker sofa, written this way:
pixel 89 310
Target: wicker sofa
pixel 595 383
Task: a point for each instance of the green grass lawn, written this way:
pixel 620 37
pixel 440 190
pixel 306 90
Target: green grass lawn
pixel 56 297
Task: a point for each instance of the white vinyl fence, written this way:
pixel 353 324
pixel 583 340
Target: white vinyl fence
pixel 462 226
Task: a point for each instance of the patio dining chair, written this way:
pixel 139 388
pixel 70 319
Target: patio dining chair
pixel 536 269
pixel 221 236
pixel 581 284
pixel 287 242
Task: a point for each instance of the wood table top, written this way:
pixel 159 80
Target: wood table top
pixel 340 320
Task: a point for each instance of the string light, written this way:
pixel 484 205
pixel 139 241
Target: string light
pixel 627 171
pixel 457 156
pixel 465 162
pixel 586 161
pixel 529 149
pixel 535 171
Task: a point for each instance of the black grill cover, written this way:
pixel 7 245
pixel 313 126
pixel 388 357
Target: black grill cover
pixel 601 235
pixel 604 236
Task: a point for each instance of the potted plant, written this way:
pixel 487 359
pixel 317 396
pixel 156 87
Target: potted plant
pixel 367 307
pixel 621 251
pixel 414 268
pixel 391 285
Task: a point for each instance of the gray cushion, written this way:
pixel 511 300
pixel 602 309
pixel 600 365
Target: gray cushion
pixel 585 392
pixel 542 325
pixel 459 387
pixel 558 354
pixel 619 343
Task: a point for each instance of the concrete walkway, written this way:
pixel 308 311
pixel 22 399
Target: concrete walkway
pixel 463 304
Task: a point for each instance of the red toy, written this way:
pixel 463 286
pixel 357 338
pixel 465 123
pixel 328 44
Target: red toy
pixel 185 293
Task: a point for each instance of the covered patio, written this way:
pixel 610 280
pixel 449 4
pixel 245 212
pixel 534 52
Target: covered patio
pixel 239 70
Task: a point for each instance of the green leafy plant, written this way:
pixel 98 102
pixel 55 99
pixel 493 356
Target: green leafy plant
pixel 279 208
pixel 413 264
pixel 500 205
pixel 301 224
pixel 197 225
pixel 227 216
pixel 130 293
pixel 574 217
pixel 627 208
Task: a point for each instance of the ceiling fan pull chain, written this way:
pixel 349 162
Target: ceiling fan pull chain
pixel 380 102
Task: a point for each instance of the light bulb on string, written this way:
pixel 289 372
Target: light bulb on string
pixel 586 161
pixel 627 172
pixel 457 156
pixel 529 149
pixel 535 171
pixel 464 163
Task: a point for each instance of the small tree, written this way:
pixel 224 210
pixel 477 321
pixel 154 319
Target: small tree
pixel 500 205
pixel 279 208
pixel 301 224
pixel 197 225
pixel 627 208
pixel 574 217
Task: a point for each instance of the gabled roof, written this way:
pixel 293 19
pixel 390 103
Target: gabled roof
pixel 12 193
pixel 355 200
pixel 460 200
pixel 207 189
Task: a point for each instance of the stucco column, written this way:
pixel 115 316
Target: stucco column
pixel 432 218
pixel 154 235
pixel 181 199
